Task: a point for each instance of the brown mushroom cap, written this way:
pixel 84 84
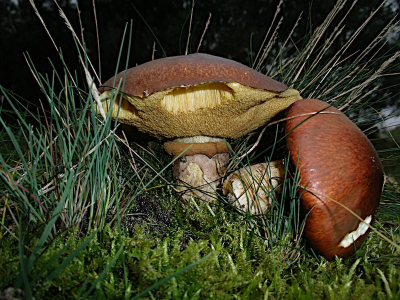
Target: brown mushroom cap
pixel 188 70
pixel 336 160
pixel 197 95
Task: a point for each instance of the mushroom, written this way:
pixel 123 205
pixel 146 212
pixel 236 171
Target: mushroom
pixel 252 189
pixel 337 164
pixel 196 102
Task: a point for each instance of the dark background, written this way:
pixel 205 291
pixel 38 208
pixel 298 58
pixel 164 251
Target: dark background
pixel 236 31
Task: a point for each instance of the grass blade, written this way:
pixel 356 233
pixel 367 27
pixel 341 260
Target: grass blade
pixel 168 278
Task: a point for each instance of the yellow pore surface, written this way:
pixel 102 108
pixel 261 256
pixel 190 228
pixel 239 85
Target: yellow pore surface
pixel 212 109
pixel 183 100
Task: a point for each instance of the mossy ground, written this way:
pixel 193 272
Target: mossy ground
pixel 240 264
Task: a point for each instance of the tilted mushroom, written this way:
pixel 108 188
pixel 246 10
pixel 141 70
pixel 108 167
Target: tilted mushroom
pixel 336 162
pixel 196 101
pixel 339 171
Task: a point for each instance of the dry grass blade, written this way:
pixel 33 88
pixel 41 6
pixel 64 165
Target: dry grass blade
pixel 334 86
pixel 325 71
pixel 125 142
pixel 190 29
pixel 69 26
pixel 390 30
pixel 38 82
pixel 285 43
pixel 80 22
pixel 334 61
pixel 98 38
pixel 270 45
pixel 257 64
pixel 32 2
pixel 204 32
pixel 356 91
pixel 327 44
pixel 385 126
pixel 304 56
pixel 153 53
pixel 356 34
pixel 132 158
pixel 94 90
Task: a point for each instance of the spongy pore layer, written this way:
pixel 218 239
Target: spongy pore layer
pixel 227 110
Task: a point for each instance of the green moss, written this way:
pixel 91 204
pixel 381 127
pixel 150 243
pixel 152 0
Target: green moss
pixel 241 266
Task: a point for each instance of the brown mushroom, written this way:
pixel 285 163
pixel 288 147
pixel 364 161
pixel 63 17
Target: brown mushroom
pixel 336 161
pixel 197 100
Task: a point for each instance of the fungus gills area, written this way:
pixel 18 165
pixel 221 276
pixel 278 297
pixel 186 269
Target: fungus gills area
pixel 121 105
pixel 217 109
pixel 210 95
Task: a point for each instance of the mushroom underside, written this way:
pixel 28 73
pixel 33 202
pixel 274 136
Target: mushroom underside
pixel 228 110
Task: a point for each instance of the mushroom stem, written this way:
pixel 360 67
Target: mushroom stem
pixel 202 163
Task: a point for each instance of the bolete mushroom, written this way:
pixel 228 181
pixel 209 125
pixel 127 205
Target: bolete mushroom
pixel 251 189
pixel 336 162
pixel 196 101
